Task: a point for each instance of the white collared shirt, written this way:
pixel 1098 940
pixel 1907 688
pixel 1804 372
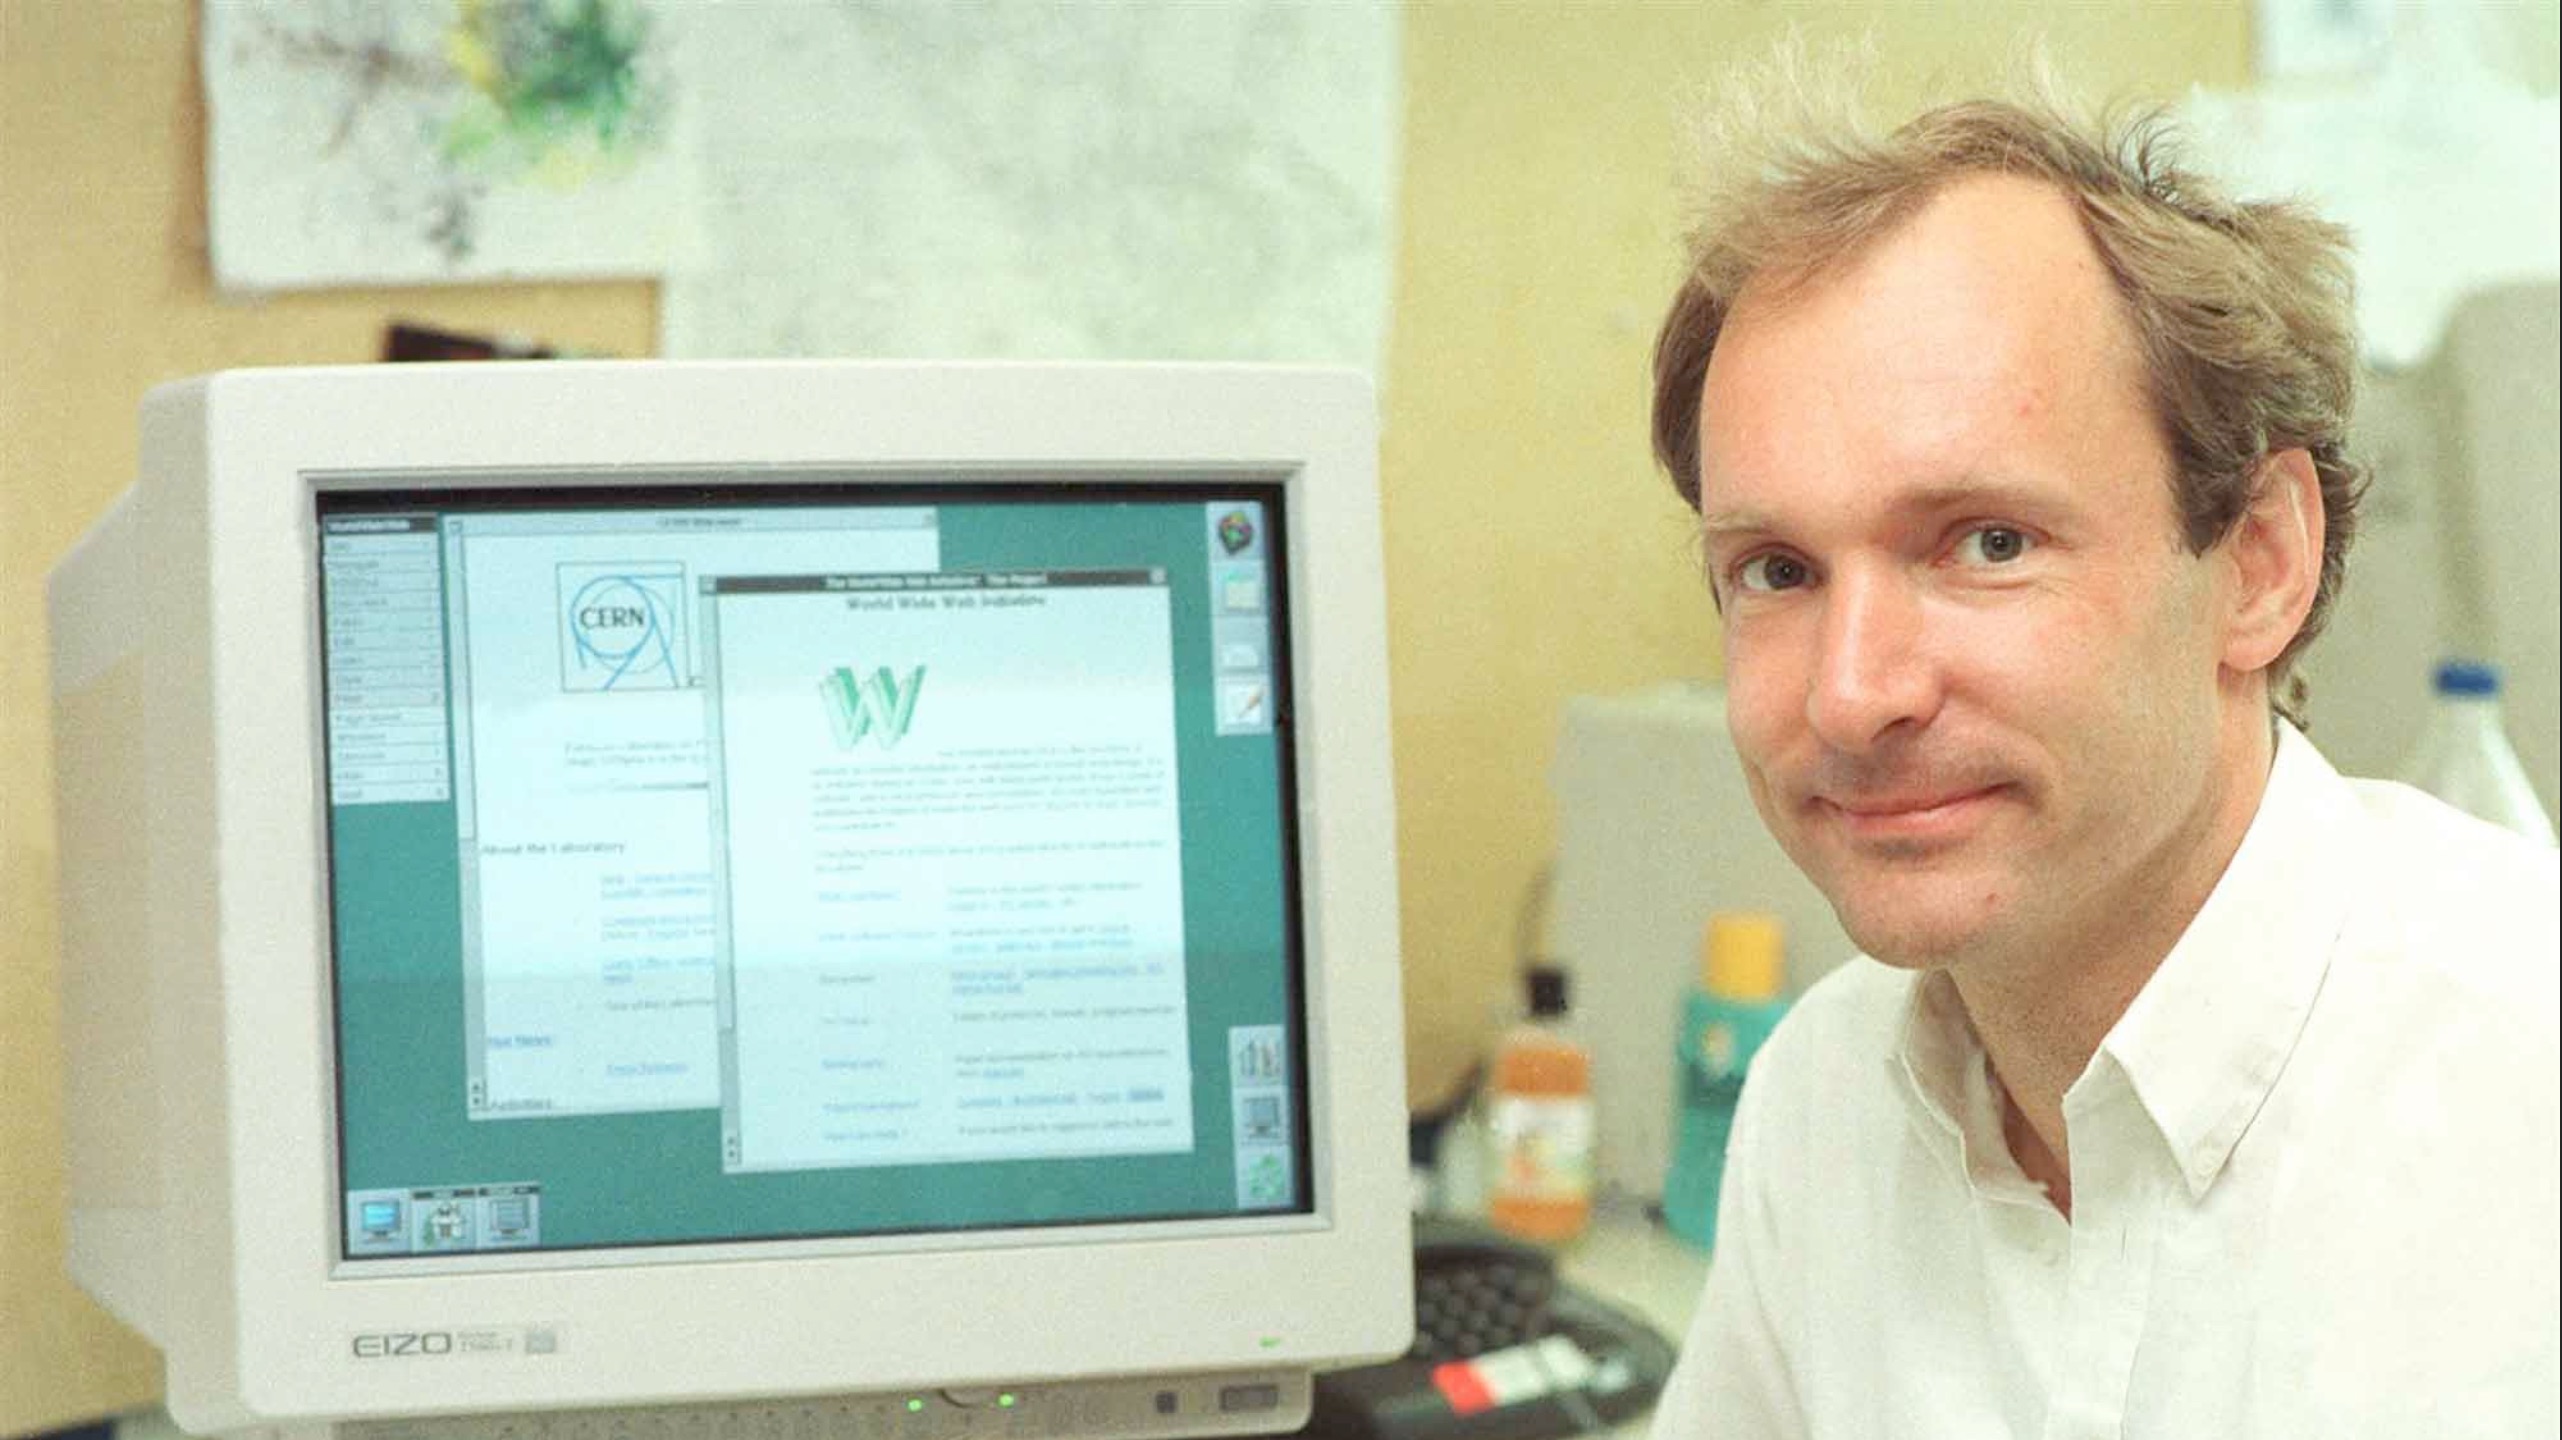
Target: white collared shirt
pixel 2315 1169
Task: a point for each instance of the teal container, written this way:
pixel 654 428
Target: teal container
pixel 1718 1040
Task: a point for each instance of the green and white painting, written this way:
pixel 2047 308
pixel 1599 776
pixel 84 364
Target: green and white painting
pixel 401 141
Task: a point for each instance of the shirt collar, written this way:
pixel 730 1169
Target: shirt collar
pixel 1950 1080
pixel 2205 1039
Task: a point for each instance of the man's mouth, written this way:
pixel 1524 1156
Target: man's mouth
pixel 1919 815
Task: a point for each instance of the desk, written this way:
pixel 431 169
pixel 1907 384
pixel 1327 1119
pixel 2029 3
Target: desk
pixel 1628 1259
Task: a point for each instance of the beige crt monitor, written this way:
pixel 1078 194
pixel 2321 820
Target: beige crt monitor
pixel 773 898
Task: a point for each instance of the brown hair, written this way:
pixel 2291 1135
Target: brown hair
pixel 2243 312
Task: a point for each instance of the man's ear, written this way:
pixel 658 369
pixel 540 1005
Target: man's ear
pixel 2275 550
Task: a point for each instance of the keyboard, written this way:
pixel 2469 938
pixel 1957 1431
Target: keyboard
pixel 1503 1350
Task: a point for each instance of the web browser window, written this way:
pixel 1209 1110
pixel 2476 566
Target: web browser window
pixel 718 863
pixel 949 851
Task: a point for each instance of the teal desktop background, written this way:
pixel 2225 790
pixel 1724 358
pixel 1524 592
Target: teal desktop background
pixel 634 1179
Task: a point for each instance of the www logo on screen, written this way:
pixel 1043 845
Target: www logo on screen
pixel 877 706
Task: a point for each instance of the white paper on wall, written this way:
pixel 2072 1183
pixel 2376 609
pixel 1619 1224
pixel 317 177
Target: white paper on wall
pixel 407 141
pixel 2443 166
pixel 1017 178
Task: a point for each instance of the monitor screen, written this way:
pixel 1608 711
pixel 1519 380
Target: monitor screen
pixel 800 861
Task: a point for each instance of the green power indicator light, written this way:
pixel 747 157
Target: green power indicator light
pixel 1005 1402
pixel 1271 1342
pixel 915 1407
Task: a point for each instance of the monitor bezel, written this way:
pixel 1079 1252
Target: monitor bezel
pixel 254 1322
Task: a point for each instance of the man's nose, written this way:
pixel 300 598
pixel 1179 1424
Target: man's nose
pixel 1873 672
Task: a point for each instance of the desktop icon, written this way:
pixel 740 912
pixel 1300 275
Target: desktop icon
pixel 445 1225
pixel 510 1216
pixel 1241 590
pixel 379 1222
pixel 1259 1062
pixel 1236 531
pixel 1259 1119
pixel 1242 704
pixel 379 1219
pixel 1264 1178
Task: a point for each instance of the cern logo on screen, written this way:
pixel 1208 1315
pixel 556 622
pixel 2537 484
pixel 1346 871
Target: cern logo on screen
pixel 622 626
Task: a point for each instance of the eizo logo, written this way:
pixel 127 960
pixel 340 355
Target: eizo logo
pixel 877 704
pixel 404 1342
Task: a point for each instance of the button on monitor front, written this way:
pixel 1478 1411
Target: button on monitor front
pixel 1237 1399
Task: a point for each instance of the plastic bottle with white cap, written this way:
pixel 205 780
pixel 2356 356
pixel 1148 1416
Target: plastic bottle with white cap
pixel 2464 757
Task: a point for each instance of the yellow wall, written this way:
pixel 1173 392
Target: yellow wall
pixel 1532 553
pixel 105 291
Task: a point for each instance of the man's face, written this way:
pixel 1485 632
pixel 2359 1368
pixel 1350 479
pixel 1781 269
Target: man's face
pixel 1972 674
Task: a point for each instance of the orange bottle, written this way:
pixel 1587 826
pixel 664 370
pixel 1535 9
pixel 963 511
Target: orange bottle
pixel 1539 1122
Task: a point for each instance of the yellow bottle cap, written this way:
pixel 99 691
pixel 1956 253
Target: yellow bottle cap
pixel 1742 956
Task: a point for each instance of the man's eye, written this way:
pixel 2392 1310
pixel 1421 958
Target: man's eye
pixel 1771 572
pixel 1993 545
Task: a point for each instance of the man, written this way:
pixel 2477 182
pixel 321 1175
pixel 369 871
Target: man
pixel 2200 1092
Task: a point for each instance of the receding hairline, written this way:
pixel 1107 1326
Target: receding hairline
pixel 1783 285
pixel 2115 346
